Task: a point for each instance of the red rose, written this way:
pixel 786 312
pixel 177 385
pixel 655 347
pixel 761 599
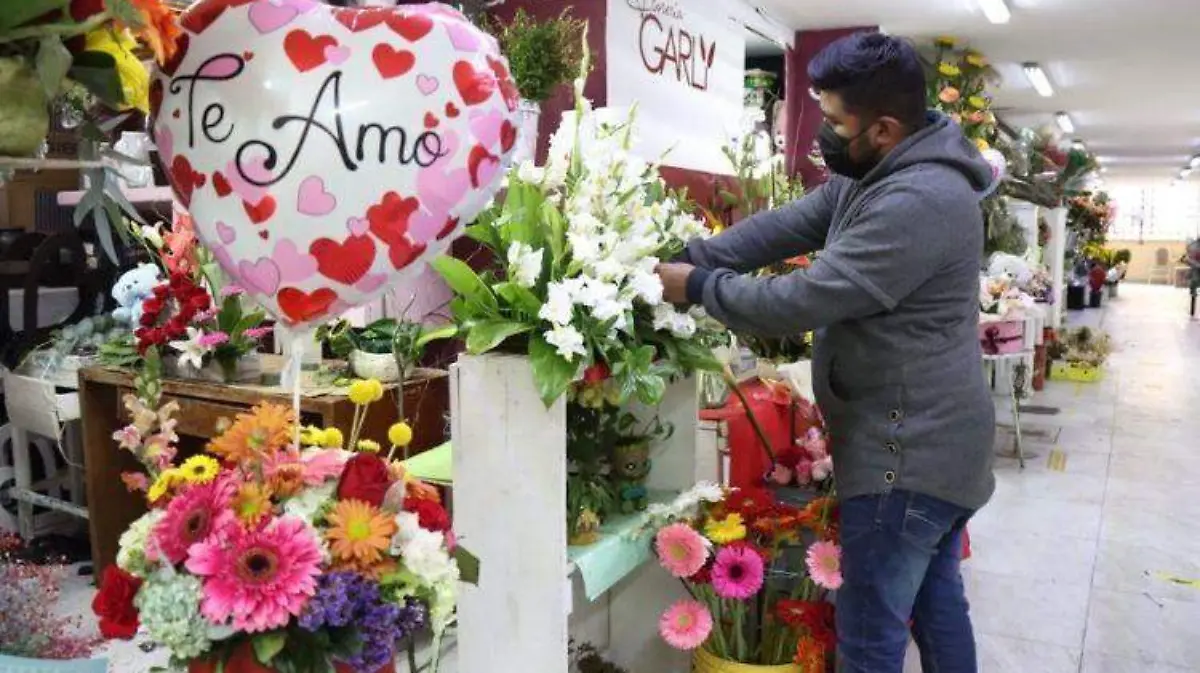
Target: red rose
pixel 597 373
pixel 113 604
pixel 430 515
pixel 365 478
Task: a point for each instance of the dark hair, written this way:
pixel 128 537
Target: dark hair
pixel 875 75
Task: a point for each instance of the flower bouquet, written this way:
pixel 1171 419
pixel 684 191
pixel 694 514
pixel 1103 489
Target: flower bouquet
pixel 268 554
pixel 748 604
pixel 959 87
pixel 576 245
pixel 1001 299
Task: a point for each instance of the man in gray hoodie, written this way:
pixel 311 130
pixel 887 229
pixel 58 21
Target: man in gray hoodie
pixel 893 300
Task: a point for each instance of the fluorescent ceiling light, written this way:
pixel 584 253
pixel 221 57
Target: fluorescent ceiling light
pixel 1037 77
pixel 1064 122
pixel 1195 162
pixel 996 11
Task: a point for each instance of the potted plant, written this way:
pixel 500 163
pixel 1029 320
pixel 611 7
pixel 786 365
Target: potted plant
pixel 542 55
pixel 387 349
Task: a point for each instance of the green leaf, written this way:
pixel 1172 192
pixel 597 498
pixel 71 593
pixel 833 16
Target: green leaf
pixel 465 282
pixel 268 645
pixel 484 336
pixel 556 231
pixel 429 336
pixel 485 233
pixel 521 298
pixel 19 12
pixel 97 72
pixel 468 565
pixel 53 62
pixel 552 374
pixel 695 356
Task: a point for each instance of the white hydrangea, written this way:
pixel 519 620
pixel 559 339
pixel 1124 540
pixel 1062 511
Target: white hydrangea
pixel 524 264
pixel 169 608
pixel 305 504
pixel 131 553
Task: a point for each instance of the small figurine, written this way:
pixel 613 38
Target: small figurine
pixel 631 467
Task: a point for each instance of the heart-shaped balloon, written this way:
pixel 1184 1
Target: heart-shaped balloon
pixel 324 153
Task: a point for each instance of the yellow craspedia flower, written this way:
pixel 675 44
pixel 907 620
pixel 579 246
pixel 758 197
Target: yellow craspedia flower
pixel 161 486
pixel 949 69
pixel 977 102
pixel 982 144
pixel 135 79
pixel 724 531
pixel 332 439
pixel 945 42
pixel 366 391
pixel 976 60
pixel 368 446
pixel 199 469
pixel 311 435
pixel 400 434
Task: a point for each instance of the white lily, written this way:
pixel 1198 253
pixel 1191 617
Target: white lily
pixel 191 351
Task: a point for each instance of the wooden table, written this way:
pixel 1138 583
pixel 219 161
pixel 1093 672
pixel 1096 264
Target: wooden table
pixel 101 390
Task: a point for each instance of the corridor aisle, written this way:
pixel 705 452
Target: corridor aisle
pixel 1074 559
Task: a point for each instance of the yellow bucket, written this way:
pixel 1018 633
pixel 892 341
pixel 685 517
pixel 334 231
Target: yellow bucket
pixel 704 661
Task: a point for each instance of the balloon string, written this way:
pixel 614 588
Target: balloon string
pixel 292 371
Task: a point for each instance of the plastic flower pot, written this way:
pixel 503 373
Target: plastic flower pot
pixel 243 661
pixel 381 366
pixel 704 661
pixel 24 111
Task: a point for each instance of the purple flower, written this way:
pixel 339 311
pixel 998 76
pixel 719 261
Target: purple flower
pixel 348 599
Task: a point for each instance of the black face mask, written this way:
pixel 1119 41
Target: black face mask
pixel 835 149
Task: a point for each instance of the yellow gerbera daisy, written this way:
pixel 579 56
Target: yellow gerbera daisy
pixel 163 485
pixel 982 144
pixel 366 391
pixel 945 42
pixel 977 102
pixel 359 534
pixel 311 435
pixel 976 60
pixel 368 446
pixel 252 503
pixel 723 531
pixel 199 469
pixel 400 434
pixel 949 69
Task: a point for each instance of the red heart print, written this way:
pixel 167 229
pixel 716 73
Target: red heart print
pixel 474 86
pixel 508 88
pixel 508 136
pixel 389 218
pixel 262 211
pixel 392 62
pixel 156 99
pixel 476 160
pixel 451 225
pixel 358 20
pixel 404 252
pixel 175 114
pixel 221 185
pixel 451 110
pixel 264 234
pixel 185 179
pixel 411 27
pixel 300 306
pixel 305 50
pixel 201 15
pixel 181 48
pixel 431 120
pixel 247 56
pixel 345 262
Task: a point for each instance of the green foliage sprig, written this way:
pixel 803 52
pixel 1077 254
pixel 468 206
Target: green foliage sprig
pixel 542 55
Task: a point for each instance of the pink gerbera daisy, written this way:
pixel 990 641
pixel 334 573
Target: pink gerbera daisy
pixel 260 578
pixel 824 561
pixel 193 516
pixel 685 625
pixel 681 550
pixel 738 572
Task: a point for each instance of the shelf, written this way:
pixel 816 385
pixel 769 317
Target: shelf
pixel 619 551
pixel 138 196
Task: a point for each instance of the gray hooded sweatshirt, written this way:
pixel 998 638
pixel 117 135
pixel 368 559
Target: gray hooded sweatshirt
pixel 893 299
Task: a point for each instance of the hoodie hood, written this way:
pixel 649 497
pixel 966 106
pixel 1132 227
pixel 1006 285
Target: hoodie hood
pixel 941 141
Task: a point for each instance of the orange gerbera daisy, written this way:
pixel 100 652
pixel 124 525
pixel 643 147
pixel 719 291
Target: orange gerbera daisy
pixel 810 655
pixel 252 503
pixel 266 429
pixel 359 535
pixel 287 480
pixel 157 28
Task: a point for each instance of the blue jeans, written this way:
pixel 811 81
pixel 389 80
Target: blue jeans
pixel 900 560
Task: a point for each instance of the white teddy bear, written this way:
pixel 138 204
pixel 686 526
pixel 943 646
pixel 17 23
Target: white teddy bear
pixel 130 290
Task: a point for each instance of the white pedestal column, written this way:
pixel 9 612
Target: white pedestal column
pixel 1055 252
pixel 1026 215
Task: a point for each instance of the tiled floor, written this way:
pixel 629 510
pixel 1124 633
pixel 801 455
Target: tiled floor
pixel 1072 566
pixel 1072 569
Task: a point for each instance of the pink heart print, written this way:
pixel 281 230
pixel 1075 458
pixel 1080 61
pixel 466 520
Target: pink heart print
pixel 294 266
pixel 261 276
pixel 268 17
pixel 314 199
pixel 427 85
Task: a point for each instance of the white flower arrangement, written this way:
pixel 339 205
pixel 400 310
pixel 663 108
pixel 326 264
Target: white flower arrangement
pixel 1000 299
pixel 577 243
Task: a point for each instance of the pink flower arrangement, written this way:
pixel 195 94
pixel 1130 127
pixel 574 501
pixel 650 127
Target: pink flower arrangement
pixel 824 561
pixel 681 550
pixel 686 625
pixel 192 517
pixel 257 580
pixel 213 339
pixel 737 572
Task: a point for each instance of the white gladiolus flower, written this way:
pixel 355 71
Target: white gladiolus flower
pixel 524 264
pixel 647 286
pixel 560 304
pixel 567 340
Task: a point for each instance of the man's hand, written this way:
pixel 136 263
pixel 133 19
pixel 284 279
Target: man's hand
pixel 674 279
